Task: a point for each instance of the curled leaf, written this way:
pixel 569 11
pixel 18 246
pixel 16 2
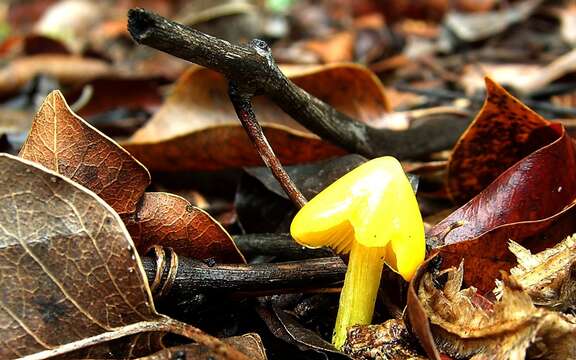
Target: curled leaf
pixel 549 277
pixel 463 328
pixel 63 142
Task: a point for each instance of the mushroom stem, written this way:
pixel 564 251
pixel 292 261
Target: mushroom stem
pixel 358 296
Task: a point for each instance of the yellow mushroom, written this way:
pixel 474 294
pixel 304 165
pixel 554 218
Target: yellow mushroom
pixel 372 213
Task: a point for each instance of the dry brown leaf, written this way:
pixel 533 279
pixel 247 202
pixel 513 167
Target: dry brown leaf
pixel 462 328
pixel 549 277
pixel 249 344
pixel 71 277
pixel 67 69
pixel 197 128
pixel 170 220
pixel 63 142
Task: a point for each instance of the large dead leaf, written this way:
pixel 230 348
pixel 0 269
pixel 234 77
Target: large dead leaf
pixel 170 220
pixel 463 328
pixel 197 128
pixel 502 133
pixel 71 277
pixel 531 203
pixel 63 142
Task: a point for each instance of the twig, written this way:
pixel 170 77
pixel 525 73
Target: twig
pixel 254 69
pixel 242 101
pixel 194 277
pixel 280 245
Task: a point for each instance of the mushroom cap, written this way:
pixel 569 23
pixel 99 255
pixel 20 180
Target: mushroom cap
pixel 373 205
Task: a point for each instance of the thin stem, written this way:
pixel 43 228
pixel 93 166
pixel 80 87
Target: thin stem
pixel 358 297
pixel 242 101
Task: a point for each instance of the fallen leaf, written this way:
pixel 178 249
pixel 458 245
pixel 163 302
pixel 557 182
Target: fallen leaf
pixel 71 22
pixel 285 326
pixel 338 47
pixel 71 277
pixel 471 27
pixel 473 78
pixel 111 93
pixel 170 220
pixel 531 203
pixel 249 344
pixel 502 133
pixel 67 69
pixel 415 316
pixel 462 328
pixel 197 128
pixel 548 277
pixel 63 142
pixel 539 186
pixel 311 178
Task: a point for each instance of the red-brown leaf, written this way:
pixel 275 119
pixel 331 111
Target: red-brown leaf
pixel 63 142
pixel 170 220
pixel 501 134
pixel 531 203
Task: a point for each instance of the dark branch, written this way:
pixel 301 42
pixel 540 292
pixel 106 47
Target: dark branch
pixel 278 245
pixel 254 69
pixel 195 277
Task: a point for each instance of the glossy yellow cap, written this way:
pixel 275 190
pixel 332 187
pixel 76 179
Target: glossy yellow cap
pixel 373 205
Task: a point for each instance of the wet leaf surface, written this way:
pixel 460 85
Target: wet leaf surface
pixel 502 134
pixel 197 128
pixel 63 142
pixel 171 221
pixel 531 203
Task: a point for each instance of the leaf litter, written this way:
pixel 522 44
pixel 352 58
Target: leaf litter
pixel 499 277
